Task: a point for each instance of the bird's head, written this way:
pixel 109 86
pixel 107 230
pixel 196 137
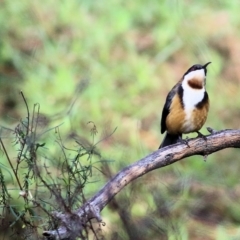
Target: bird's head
pixel 196 75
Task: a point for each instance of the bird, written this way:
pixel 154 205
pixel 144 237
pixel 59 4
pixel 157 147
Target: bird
pixel 186 107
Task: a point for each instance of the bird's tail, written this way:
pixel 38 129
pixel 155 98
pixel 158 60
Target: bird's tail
pixel 170 139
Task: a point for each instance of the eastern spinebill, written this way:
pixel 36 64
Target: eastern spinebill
pixel 186 107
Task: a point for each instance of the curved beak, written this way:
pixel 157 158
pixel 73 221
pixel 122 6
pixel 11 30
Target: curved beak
pixel 205 66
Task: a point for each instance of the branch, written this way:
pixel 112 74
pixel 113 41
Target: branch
pixel 72 224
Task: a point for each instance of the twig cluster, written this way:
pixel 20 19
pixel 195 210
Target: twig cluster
pixel 44 185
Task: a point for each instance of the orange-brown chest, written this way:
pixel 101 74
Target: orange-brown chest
pixel 181 121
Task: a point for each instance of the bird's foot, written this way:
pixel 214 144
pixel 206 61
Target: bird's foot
pixel 204 138
pixel 184 141
pixel 201 135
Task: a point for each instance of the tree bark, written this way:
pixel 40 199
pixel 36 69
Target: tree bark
pixel 71 223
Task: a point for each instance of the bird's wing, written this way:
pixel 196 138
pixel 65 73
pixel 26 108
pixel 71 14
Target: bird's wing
pixel 167 105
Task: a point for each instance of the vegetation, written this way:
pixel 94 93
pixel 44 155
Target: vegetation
pixel 104 65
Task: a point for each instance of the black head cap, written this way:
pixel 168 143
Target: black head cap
pixel 198 67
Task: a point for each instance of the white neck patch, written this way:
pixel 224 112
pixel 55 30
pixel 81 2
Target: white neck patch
pixel 198 75
pixel 192 96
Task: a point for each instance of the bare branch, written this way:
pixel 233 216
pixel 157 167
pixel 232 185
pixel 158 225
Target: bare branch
pixel 217 141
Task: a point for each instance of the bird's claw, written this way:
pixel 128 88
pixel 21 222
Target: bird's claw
pixel 184 141
pixel 201 135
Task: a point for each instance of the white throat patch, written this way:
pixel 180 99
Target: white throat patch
pixel 192 96
pixel 198 75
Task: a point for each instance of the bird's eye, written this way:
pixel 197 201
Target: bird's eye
pixel 194 68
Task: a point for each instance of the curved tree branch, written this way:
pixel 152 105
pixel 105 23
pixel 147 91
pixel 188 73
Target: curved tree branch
pixel 71 224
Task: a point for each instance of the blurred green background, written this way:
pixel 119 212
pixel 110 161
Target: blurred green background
pixel 113 62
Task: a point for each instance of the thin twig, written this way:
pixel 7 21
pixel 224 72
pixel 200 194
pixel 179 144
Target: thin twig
pixel 27 127
pixel 10 163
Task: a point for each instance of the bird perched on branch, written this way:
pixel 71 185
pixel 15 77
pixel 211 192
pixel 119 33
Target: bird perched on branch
pixel 186 107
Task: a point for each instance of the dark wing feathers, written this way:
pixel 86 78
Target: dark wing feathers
pixel 167 105
pixel 165 112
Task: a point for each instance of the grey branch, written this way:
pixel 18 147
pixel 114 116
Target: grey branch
pixel 71 223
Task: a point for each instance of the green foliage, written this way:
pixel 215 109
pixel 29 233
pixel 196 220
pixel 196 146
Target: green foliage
pixel 42 181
